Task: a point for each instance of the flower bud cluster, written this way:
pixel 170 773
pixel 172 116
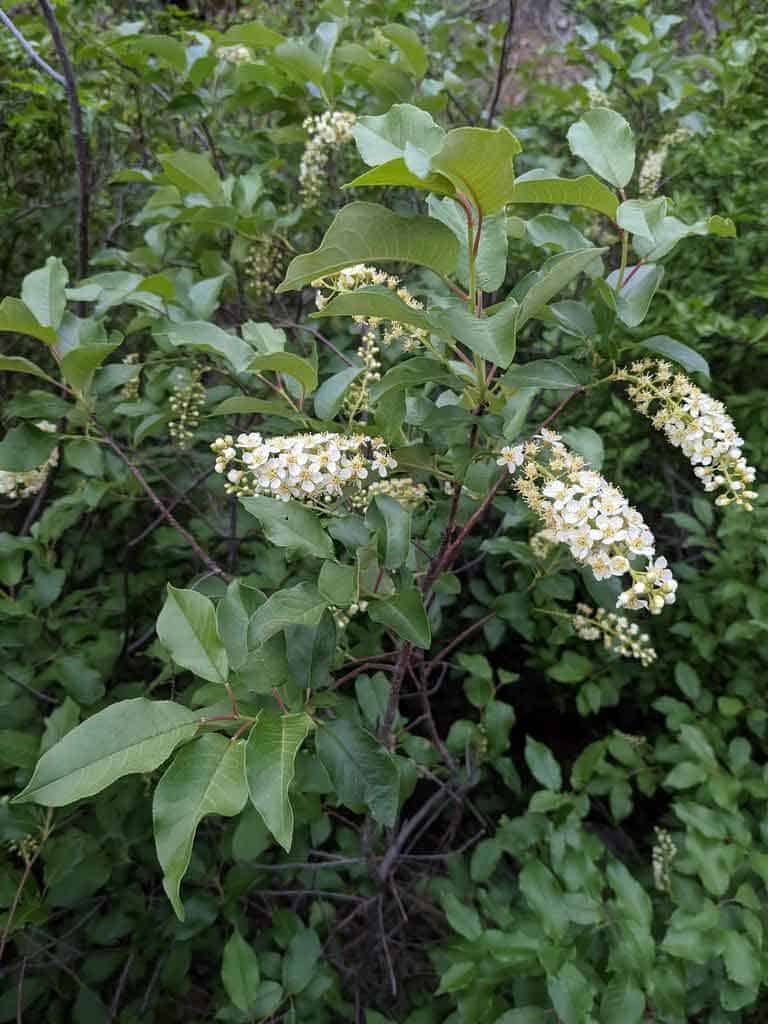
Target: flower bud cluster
pixel 343 618
pixel 619 635
pixel 402 488
pixel 695 423
pixel 663 853
pixel 362 276
pixel 186 402
pixel 308 467
pixel 357 398
pixel 265 266
pixel 327 132
pixel 130 390
pixel 235 54
pixel 649 176
pixel 591 517
pixel 25 484
pixel 596 96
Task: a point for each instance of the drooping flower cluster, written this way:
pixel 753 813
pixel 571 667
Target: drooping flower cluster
pixel 695 423
pixel 308 467
pixel 186 402
pixel 619 635
pixel 130 390
pixel 235 54
pixel 402 488
pixel 663 853
pixel 357 398
pixel 25 484
pixel 265 266
pixel 649 176
pixel 327 132
pixel 592 517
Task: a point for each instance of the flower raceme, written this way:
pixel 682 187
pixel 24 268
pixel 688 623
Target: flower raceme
pixel 697 424
pixel 619 635
pixel 327 132
pixel 592 517
pixel 307 467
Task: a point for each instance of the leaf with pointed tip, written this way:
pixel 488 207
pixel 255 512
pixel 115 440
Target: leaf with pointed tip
pixel 369 233
pixel 302 605
pixel 404 613
pixel 687 357
pixel 557 272
pixel 634 297
pixel 492 337
pixel 395 172
pixel 329 397
pixel 240 972
pixel 18 364
pixel 363 773
pixel 16 317
pixel 550 374
pixel 42 292
pixel 270 760
pixel 193 172
pixel 404 131
pixel 538 186
pixel 79 364
pixel 604 141
pixel 187 627
pixel 205 777
pixel 206 337
pixel 25 447
pixel 287 362
pixel 480 163
pixel 491 257
pixel 128 737
pixel 289 524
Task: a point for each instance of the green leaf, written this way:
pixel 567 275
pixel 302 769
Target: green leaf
pixel 339 583
pixel 187 627
pixel 368 233
pixel 407 41
pixel 395 172
pixel 252 33
pixel 480 163
pixel 264 406
pixel 329 397
pixel 79 364
pixel 538 186
pixel 463 919
pixel 288 524
pixel 233 616
pixel 551 374
pixel 587 443
pixel 393 523
pixel 302 605
pixel 622 1002
pixel 383 303
pixel 545 896
pixel 405 132
pixel 412 373
pixel 743 963
pixel 240 972
pixel 206 337
pixel 363 773
pixel 127 737
pixel 571 994
pixel 300 960
pixel 310 652
pixel 543 765
pixel 525 1015
pixel 689 359
pixel 193 172
pixel 492 337
pixel 557 272
pixel 270 760
pixel 299 62
pixel 404 613
pixel 25 447
pixel 572 668
pixel 205 777
pixel 634 297
pixel 17 318
pixel 286 362
pixel 18 364
pixel 42 292
pixel 604 141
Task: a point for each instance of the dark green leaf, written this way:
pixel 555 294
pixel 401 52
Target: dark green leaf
pixel 270 760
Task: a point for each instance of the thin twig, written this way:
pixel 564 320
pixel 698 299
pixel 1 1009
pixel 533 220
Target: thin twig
pixel 502 69
pixel 31 50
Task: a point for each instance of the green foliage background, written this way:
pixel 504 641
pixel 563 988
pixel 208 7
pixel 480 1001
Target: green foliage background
pixel 517 816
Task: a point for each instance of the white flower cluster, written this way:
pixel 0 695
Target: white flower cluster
pixel 186 402
pixel 542 542
pixel 308 467
pixel 357 398
pixel 130 390
pixel 343 618
pixel 402 488
pixel 590 516
pixel 619 635
pixel 663 853
pixel 25 484
pixel 695 423
pixel 362 276
pixel 649 176
pixel 327 132
pixel 265 266
pixel 596 96
pixel 235 54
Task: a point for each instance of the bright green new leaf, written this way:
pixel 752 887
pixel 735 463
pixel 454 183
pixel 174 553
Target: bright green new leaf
pixel 270 760
pixel 42 292
pixel 286 362
pixel 252 33
pixel 368 233
pixel 205 777
pixel 298 61
pixel 538 186
pixel 604 141
pixel 329 397
pixel 25 447
pixel 480 163
pixel 187 627
pixel 289 524
pixel 128 737
pixel 302 605
pixel 404 613
pixel 17 318
pixel 240 972
pixel 193 172
pixel 363 773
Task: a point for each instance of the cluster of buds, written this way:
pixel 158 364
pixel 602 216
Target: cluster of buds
pixel 308 467
pixel 130 390
pixel 25 848
pixel 186 402
pixel 265 266
pixel 402 488
pixel 362 276
pixel 25 484
pixel 591 517
pixel 663 853
pixel 357 398
pixel 343 618
pixel 235 54
pixel 542 543
pixel 596 96
pixel 327 133
pixel 619 635
pixel 695 423
pixel 649 176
